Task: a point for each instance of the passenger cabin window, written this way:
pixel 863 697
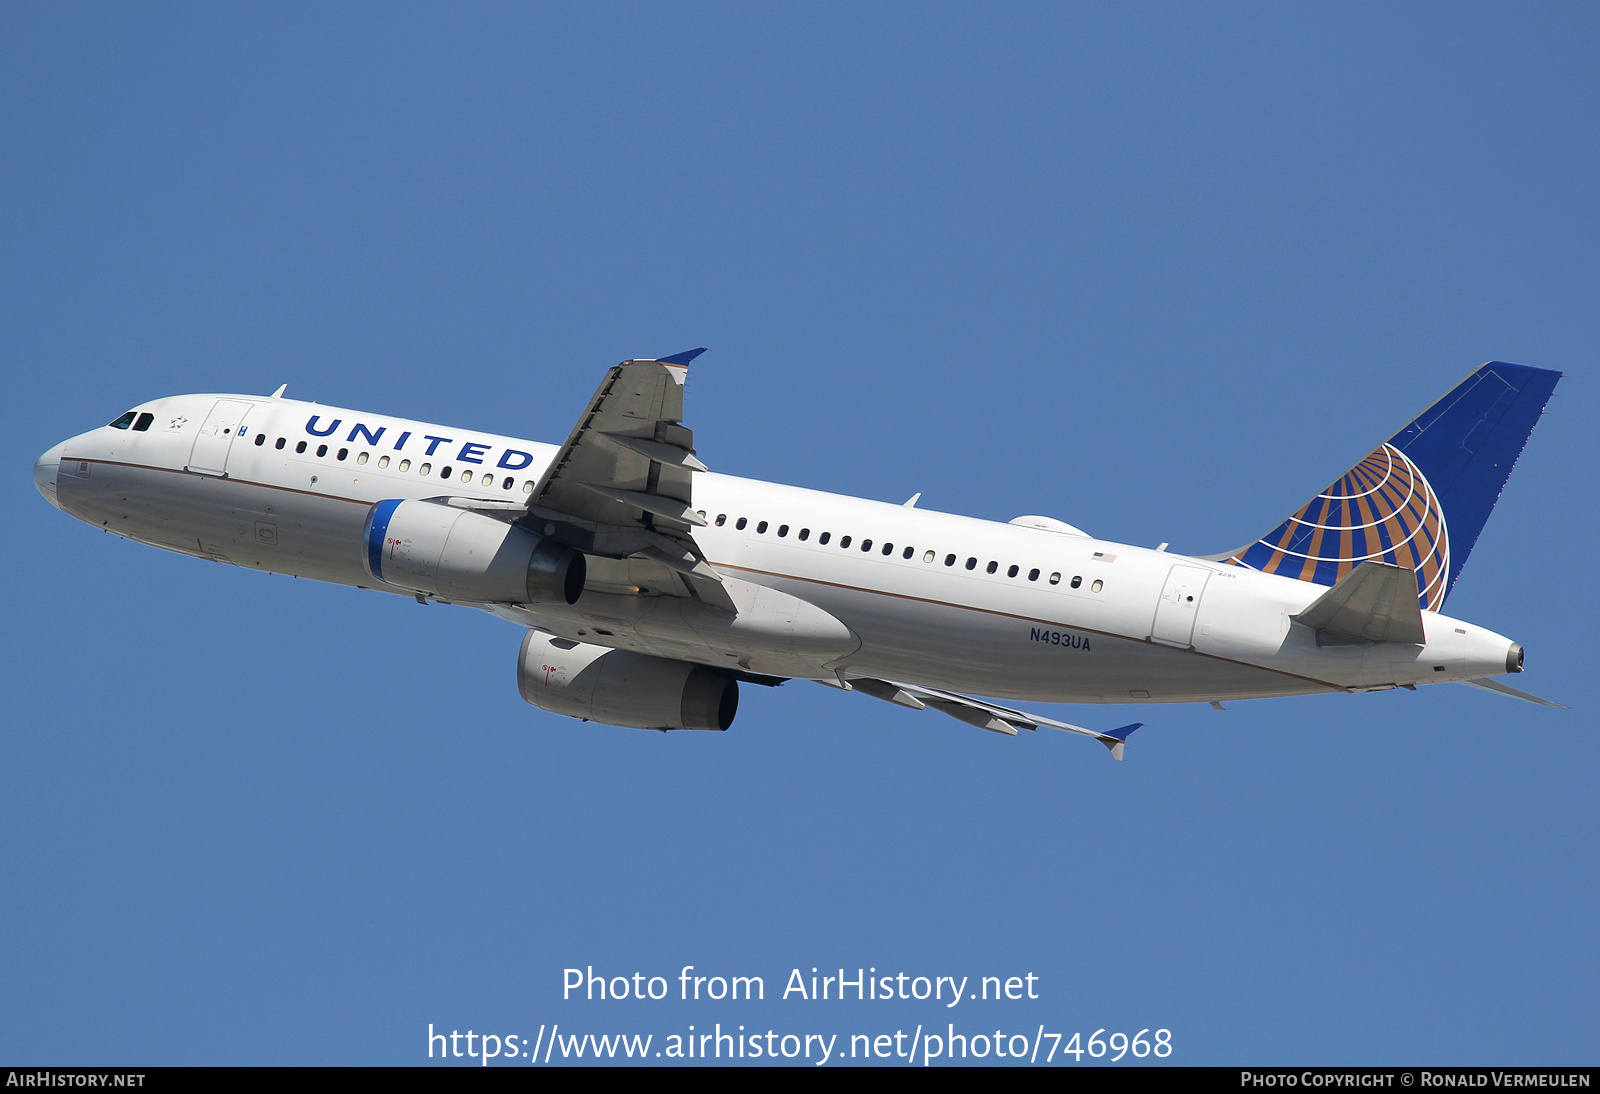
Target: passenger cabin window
pixel 888 548
pixel 972 563
pixel 1012 572
pixel 783 530
pixel 1097 586
pixel 146 418
pixel 844 541
pixel 1033 575
pixel 907 553
pixel 405 465
pixel 509 483
pixel 279 443
pixel 823 538
pixel 992 567
pixel 866 545
pixel 125 421
pixel 927 556
pixel 761 529
pixel 739 525
pixel 383 461
pixel 301 447
pixel 722 518
pixel 261 439
pixel 322 450
pixel 949 560
pixel 424 469
pixel 362 458
pixel 527 487
pixel 343 452
pixel 805 534
pixel 1076 580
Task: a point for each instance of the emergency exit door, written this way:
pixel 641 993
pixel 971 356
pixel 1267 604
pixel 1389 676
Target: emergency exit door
pixel 1179 605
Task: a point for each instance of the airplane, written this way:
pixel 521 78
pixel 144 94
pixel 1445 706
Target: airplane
pixel 650 587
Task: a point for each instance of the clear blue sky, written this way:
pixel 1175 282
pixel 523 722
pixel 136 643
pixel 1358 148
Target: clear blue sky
pixel 1161 271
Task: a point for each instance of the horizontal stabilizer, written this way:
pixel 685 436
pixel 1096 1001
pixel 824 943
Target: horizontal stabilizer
pixel 1375 602
pixel 1507 689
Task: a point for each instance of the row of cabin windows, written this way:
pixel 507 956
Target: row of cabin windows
pixel 135 420
pixel 887 549
pixel 424 469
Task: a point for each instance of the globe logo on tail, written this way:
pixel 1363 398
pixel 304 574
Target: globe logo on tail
pixel 1383 510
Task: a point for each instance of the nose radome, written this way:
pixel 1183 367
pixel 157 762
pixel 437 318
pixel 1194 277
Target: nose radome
pixel 44 474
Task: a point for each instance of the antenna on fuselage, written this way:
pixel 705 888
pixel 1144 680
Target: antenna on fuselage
pixel 279 393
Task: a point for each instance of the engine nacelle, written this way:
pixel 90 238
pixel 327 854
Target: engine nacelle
pixel 461 555
pixel 622 688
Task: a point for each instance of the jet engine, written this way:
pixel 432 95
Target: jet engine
pixel 623 688
pixel 458 554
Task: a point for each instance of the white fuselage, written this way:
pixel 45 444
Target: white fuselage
pixel 1034 615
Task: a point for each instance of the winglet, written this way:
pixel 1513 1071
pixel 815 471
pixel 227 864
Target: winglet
pixel 682 358
pixel 1114 739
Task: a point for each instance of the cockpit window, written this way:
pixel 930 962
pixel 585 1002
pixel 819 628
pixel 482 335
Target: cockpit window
pixel 144 421
pixel 125 421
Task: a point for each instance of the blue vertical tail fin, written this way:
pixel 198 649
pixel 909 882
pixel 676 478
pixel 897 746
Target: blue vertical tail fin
pixel 1422 497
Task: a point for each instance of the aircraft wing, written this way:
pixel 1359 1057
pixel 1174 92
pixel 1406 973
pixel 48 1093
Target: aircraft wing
pixel 629 459
pixel 622 487
pixel 976 712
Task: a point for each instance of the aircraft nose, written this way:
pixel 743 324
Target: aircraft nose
pixel 44 474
